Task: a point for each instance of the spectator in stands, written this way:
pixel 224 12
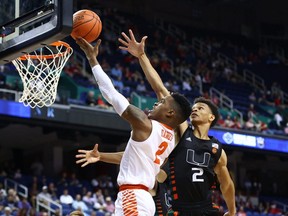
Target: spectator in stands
pixel 89 200
pixel 90 98
pixel 229 123
pixel 274 210
pixel 186 85
pixel 221 121
pixel 277 100
pixel 251 111
pixel 116 72
pixel 78 204
pixel 74 181
pixel 110 206
pixel 18 174
pixel 11 202
pixel 63 180
pixel 95 182
pixel 44 194
pixel 250 124
pixel 241 211
pixel 215 99
pixel 100 201
pixel 7 211
pixel 3 193
pixel 13 193
pixel 261 126
pixel 66 198
pixel 118 83
pixel 24 205
pixel 252 97
pixel 52 189
pixel 278 120
pixel 237 123
pixel 141 88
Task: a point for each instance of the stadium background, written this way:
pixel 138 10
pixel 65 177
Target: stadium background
pixel 45 135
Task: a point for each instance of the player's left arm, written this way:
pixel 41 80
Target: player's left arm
pixel 226 184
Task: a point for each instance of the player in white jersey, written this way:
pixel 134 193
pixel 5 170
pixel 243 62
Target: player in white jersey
pixel 151 141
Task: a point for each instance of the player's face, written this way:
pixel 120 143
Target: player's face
pixel 201 114
pixel 160 108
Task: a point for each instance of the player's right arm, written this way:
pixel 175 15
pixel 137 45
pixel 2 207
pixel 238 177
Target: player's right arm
pixel 137 49
pixel 92 156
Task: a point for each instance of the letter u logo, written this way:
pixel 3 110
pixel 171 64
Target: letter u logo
pixel 190 158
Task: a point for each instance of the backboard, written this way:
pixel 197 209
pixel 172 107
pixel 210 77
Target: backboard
pixel 26 25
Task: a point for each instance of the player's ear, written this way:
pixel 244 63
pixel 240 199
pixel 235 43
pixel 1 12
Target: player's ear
pixel 211 117
pixel 171 112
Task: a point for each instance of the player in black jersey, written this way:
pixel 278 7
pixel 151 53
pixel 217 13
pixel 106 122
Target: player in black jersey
pixel 197 156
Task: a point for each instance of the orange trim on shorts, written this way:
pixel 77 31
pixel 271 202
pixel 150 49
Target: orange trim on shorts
pixel 129 203
pixel 132 187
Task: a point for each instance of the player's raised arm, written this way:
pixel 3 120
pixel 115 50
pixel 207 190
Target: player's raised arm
pixel 136 117
pixel 137 49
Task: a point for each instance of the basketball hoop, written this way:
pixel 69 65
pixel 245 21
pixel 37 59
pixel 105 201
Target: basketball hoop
pixel 40 72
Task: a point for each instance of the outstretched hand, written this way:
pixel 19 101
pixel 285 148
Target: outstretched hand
pixel 89 50
pixel 88 156
pixel 131 45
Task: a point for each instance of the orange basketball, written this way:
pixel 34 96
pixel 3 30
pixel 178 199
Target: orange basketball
pixel 86 24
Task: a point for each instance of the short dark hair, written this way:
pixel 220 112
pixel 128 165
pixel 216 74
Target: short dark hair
pixel 212 106
pixel 184 106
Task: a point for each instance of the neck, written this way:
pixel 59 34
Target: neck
pixel 201 132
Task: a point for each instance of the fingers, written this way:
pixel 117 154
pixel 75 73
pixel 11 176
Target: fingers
pixel 81 161
pixel 95 147
pixel 123 48
pixel 98 43
pixel 144 39
pixel 125 36
pixel 85 164
pixel 81 41
pixel 131 35
pixel 83 151
pixel 123 42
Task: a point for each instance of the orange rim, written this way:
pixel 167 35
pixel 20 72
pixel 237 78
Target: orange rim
pixel 55 44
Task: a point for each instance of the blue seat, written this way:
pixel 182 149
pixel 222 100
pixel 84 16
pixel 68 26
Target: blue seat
pixel 248 213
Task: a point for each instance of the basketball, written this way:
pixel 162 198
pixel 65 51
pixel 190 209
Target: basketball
pixel 86 24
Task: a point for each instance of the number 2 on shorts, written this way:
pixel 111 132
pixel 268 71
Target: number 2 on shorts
pixel 162 147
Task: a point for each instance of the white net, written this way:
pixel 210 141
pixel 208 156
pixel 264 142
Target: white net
pixel 40 72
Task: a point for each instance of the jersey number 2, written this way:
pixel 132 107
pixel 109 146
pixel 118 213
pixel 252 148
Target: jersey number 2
pixel 162 147
pixel 196 176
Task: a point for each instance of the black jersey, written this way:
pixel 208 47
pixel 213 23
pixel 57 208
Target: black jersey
pixel 161 198
pixel 192 164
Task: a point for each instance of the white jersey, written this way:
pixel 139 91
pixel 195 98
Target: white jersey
pixel 141 161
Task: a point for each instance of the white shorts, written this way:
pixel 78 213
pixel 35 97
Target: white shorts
pixel 134 202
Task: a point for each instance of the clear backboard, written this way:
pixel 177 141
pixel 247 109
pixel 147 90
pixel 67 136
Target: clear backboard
pixel 26 25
